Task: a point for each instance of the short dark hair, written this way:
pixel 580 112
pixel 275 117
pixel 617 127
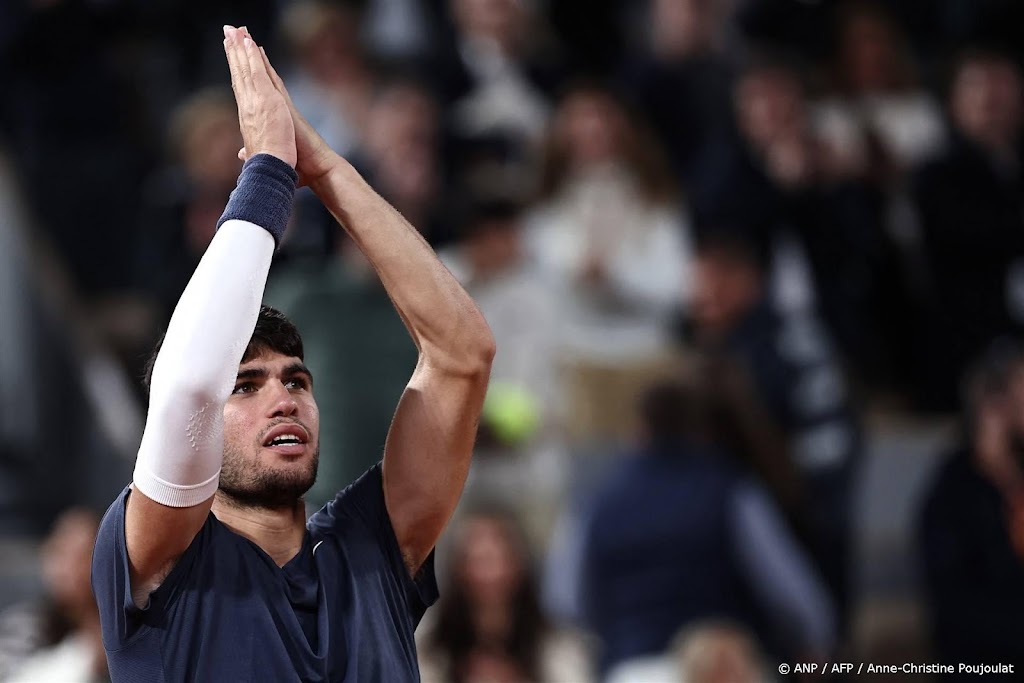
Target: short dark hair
pixel 274 332
pixel 736 243
pixel 675 410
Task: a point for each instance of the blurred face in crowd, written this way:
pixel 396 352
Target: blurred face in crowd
pixel 496 20
pixel 769 106
pixel 271 433
pixel 494 246
pixel 726 286
pixel 590 129
pixel 401 142
pixel 209 148
pixel 491 566
pixel 869 52
pixel 681 28
pixel 325 37
pixel 67 562
pixel 719 655
pixel 986 101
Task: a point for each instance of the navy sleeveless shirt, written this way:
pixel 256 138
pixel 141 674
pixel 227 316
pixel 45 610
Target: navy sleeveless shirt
pixel 343 609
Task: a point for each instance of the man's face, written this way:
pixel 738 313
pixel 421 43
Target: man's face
pixel 726 287
pixel 271 433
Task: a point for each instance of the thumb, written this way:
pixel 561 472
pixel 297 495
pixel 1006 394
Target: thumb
pixel 243 156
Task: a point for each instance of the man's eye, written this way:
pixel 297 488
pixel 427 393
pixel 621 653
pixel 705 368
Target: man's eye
pixel 245 388
pixel 297 384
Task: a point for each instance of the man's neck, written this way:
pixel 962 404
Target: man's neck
pixel 278 531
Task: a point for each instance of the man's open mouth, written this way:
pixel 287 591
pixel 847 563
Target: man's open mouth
pixel 286 435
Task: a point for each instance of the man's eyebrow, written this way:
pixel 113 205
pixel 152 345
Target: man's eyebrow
pixel 252 373
pixel 298 369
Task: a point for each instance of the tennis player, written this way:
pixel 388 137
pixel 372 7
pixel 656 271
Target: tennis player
pixel 205 568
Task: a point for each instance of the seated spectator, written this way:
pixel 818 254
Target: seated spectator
pixel 969 202
pixel 719 653
pixel 495 75
pixel 183 200
pixel 609 231
pixel 332 83
pixel 877 117
pixel 58 639
pixel 678 535
pixel 709 652
pixel 790 366
pixel 822 219
pixel 522 452
pixel 400 156
pixel 489 624
pixel 972 522
pixel 683 80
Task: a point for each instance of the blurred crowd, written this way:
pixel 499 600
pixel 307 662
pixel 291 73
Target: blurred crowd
pixel 715 240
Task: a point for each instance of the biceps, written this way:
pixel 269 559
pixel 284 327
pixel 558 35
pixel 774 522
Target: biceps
pixel 428 453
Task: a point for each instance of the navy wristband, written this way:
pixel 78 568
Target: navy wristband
pixel 263 195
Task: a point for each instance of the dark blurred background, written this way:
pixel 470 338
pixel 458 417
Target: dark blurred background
pixel 755 269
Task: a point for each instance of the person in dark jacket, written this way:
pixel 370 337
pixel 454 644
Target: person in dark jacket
pixel 972 522
pixel 970 204
pixel 678 535
pixel 790 365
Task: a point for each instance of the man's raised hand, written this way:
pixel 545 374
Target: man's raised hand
pixel 315 157
pixel 264 116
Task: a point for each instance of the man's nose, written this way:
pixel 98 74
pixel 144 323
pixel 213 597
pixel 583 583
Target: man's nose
pixel 283 404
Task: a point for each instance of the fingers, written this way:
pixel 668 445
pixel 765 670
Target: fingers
pixel 238 62
pixel 278 82
pixel 260 79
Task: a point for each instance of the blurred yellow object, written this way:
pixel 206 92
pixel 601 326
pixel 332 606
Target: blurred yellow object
pixel 511 412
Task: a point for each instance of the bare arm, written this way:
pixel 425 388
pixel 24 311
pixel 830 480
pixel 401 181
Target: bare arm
pixel 429 446
pixel 178 466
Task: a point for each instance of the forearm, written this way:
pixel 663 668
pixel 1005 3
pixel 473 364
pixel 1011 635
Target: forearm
pixel 179 459
pixel 445 324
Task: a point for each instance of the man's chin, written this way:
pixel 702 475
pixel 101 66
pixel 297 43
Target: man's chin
pixel 274 488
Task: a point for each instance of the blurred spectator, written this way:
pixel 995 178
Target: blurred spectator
pixel 400 156
pixel 609 230
pixel 877 117
pixel 683 82
pixel 792 371
pixel 58 638
pixel 332 83
pixel 521 443
pixel 497 73
pixel 359 351
pixel 183 200
pixel 719 653
pixel 489 624
pixel 972 521
pixel 398 30
pixel 679 535
pixel 969 201
pixel 822 220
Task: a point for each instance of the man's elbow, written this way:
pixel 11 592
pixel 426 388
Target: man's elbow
pixel 478 356
pixel 470 358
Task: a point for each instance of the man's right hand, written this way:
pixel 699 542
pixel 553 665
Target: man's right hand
pixel 264 115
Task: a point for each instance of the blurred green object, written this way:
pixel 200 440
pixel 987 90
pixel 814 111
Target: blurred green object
pixel 361 356
pixel 511 413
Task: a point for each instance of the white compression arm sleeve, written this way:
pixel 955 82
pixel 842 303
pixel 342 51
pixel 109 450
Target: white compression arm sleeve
pixel 180 457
